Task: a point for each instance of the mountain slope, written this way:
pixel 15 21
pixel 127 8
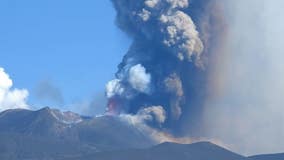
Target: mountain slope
pixel 268 157
pixel 170 151
pixel 50 134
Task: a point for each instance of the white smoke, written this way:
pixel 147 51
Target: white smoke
pixel 139 79
pixel 113 88
pixel 136 77
pixel 11 98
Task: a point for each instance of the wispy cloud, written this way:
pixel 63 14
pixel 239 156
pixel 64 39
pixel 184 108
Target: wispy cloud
pixel 48 91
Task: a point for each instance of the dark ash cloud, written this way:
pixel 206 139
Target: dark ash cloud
pixel 166 63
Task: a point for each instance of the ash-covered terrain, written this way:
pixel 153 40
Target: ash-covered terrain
pixel 49 134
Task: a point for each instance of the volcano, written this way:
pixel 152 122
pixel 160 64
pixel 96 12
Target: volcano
pixel 52 134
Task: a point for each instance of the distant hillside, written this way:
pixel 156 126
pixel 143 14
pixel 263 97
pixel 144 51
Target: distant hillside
pixel 268 157
pixel 49 134
pixel 170 151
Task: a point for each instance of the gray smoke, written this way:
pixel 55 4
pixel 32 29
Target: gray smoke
pixel 214 66
pixel 245 106
pixel 165 65
pixel 164 22
pixel 47 91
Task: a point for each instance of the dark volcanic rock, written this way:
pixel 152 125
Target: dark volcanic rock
pixel 268 157
pixel 50 134
pixel 170 151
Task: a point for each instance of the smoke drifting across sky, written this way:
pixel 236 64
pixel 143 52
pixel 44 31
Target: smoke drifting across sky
pixel 245 104
pixel 214 67
pixel 47 91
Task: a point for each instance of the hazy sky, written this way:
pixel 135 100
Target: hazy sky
pixel 246 109
pixel 69 48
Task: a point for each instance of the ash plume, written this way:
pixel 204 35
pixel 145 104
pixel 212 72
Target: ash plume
pixel 166 63
pixel 245 103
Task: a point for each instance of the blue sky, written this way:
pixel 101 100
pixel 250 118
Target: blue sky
pixel 73 45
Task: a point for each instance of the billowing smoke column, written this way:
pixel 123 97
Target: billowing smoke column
pixel 165 64
pixel 208 68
